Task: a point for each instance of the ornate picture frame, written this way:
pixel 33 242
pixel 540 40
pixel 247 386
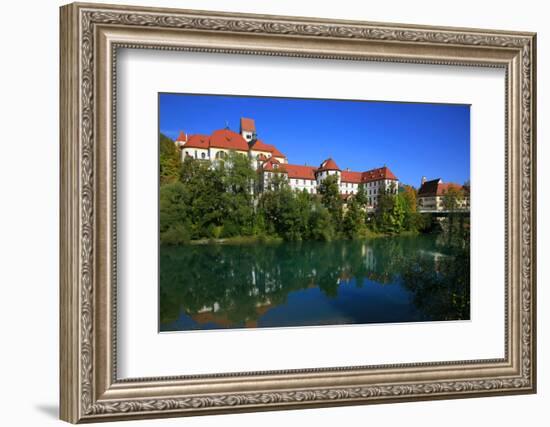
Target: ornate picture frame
pixel 90 37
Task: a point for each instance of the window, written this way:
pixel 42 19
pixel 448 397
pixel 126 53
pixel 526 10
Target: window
pixel 220 155
pixel 203 155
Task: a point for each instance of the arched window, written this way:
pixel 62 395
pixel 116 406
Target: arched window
pixel 203 155
pixel 220 155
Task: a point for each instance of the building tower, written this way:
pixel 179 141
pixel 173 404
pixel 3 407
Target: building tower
pixel 328 167
pixel 248 130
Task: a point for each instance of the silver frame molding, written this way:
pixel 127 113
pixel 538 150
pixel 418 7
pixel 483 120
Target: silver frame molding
pixel 90 37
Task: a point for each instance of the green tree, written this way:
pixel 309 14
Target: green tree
pixel 409 195
pixel 390 213
pixel 330 198
pixel 353 224
pixel 169 160
pixel 453 198
pixel 240 181
pixel 361 195
pixel 304 209
pixel 175 223
pixel 206 190
pixel 413 220
pixel 320 224
pixel 280 211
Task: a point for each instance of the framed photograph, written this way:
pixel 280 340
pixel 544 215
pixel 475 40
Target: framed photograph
pixel 266 212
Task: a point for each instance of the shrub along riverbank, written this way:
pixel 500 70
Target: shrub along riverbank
pixel 200 203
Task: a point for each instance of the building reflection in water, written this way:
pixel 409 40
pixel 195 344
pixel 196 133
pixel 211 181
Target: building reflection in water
pixel 225 286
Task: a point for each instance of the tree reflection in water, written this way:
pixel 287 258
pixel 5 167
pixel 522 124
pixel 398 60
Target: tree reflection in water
pixel 228 286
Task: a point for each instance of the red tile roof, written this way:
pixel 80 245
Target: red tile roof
pixel 272 164
pixel 300 171
pixel 182 137
pixel 349 176
pixel 367 176
pixel 248 124
pixel 328 165
pixel 225 138
pixel 436 188
pixel 198 141
pixel 259 145
pixel 378 174
pixel 444 187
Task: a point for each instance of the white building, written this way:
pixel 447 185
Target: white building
pixel 270 162
pixel 308 178
pixel 218 145
pixel 431 195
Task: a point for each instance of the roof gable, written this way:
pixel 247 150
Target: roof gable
pixel 273 164
pixel 226 138
pixel 182 137
pixel 378 174
pixel 259 145
pixel 328 165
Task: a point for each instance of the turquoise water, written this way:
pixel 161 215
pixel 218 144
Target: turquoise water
pixel 382 280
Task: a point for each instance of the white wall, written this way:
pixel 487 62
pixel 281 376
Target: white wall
pixel 29 170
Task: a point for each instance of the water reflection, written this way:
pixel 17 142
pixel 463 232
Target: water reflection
pixel 396 279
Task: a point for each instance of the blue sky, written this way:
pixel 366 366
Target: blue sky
pixel 412 139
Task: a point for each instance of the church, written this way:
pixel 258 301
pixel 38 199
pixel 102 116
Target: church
pixel 270 162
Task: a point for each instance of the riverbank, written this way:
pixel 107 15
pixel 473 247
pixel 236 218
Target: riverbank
pixel 238 240
pixel 248 240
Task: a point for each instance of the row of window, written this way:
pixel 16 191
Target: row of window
pixel 219 155
pixel 303 181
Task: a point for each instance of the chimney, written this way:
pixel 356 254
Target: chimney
pixel 422 181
